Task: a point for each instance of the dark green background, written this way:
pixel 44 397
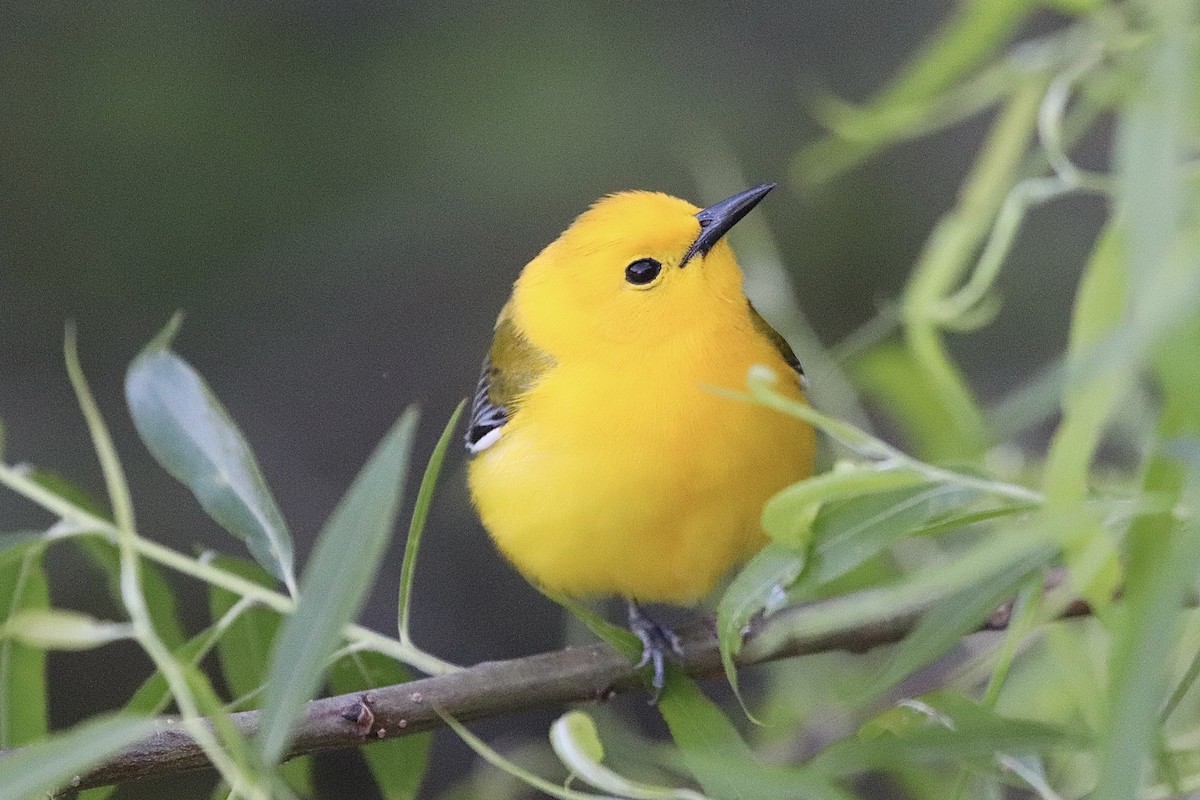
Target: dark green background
pixel 339 194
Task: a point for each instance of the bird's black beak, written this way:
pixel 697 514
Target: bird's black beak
pixel 717 219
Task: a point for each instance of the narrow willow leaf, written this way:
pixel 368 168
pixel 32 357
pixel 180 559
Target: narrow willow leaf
pixel 336 582
pixel 576 742
pixel 788 516
pixel 890 376
pixel 235 746
pixel 849 532
pixel 70 491
pixel 408 568
pixel 42 768
pixel 1033 773
pixel 620 639
pixel 103 555
pixel 23 707
pixel 153 696
pixel 1162 558
pixel 576 732
pixel 767 575
pixel 720 759
pixel 160 598
pixel 13 546
pixel 1090 556
pixel 977 29
pixel 914 594
pixel 945 625
pixel 244 651
pixel 960 734
pixel 192 436
pixel 397 764
pixel 57 629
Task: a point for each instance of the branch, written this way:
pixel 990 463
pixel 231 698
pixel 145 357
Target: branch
pixel 575 674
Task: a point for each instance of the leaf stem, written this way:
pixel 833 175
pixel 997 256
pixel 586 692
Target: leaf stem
pixel 22 484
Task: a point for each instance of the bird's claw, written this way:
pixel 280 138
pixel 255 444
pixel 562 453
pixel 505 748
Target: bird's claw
pixel 656 641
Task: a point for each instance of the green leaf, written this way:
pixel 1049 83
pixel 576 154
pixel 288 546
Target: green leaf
pixel 620 639
pixel 235 746
pixel 978 28
pixel 336 582
pixel 104 556
pixel 13 546
pixel 244 651
pixel 1087 405
pixel 576 742
pixel 947 622
pixel 788 516
pixel 890 376
pixel 153 696
pixel 720 759
pixel 397 764
pixel 57 629
pixel 70 491
pixel 509 768
pixel 764 577
pixel 576 731
pixel 848 533
pixel 941 728
pixel 1162 558
pixel 408 568
pixel 192 436
pixel 23 707
pixel 41 768
pixel 159 596
pixel 915 594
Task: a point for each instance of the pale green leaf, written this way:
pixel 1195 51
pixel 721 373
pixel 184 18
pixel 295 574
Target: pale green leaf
pixel 940 729
pixel 408 567
pixel 244 651
pixel 577 744
pixel 158 593
pixel 765 576
pixel 720 759
pixel 41 768
pixel 948 621
pixel 335 584
pixel 57 629
pixel 192 436
pixel 789 515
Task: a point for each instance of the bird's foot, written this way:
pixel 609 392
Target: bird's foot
pixel 656 641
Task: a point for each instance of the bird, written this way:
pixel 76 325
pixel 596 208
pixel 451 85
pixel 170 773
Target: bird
pixel 602 461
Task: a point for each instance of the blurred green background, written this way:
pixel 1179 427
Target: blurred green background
pixel 339 195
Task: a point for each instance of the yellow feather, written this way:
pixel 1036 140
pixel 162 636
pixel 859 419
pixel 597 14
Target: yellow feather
pixel 620 471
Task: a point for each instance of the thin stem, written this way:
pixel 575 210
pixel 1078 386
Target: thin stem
pixel 21 484
pixel 130 583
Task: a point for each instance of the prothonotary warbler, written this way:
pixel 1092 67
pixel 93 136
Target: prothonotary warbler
pixel 604 464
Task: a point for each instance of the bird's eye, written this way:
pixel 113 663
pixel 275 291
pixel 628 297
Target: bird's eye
pixel 642 271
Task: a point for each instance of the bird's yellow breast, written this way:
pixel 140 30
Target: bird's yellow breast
pixel 628 475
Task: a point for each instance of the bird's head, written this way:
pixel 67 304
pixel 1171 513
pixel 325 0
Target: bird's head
pixel 636 268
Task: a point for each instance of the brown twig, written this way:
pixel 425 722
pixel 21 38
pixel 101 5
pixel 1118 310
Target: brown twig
pixel 575 674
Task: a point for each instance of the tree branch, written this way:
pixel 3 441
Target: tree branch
pixel 575 674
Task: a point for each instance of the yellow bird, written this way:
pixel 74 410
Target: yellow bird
pixel 603 461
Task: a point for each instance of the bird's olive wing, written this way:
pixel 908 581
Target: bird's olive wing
pixel 780 344
pixel 512 367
